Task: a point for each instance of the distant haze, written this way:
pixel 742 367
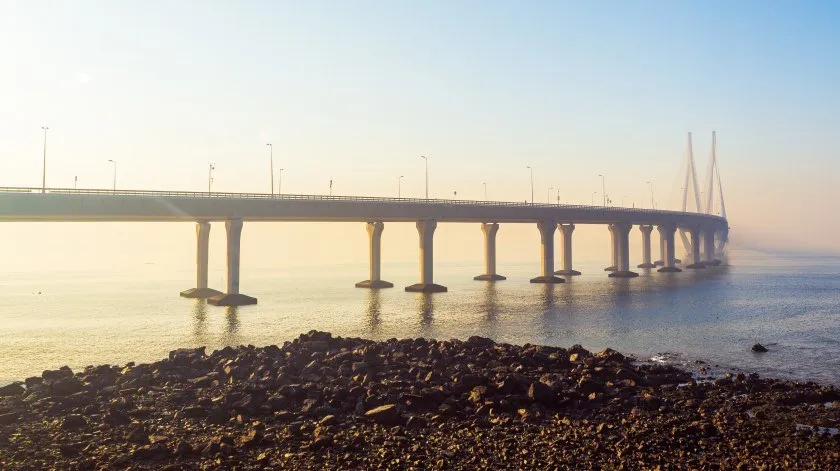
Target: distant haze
pixel 355 92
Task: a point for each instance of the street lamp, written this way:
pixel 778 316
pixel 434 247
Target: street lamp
pixel 210 169
pixel 652 205
pixel 399 186
pixel 485 191
pixel 280 182
pixel 548 198
pixel 532 182
pixel 271 158
pixel 427 174
pixel 558 196
pixel 603 189
pixel 115 173
pixel 44 174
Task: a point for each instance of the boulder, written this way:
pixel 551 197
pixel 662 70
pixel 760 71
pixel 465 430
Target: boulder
pixel 758 348
pixel 385 415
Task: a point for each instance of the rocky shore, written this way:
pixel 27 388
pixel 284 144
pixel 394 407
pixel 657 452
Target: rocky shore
pixel 322 402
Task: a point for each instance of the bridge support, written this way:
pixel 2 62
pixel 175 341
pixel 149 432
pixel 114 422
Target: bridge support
pixel 661 261
pixel 696 262
pixel 646 263
pixel 374 230
pixel 426 231
pixel 667 234
pixel 233 227
pixel 613 251
pixel 202 233
pixel 709 248
pixel 547 229
pixel 621 234
pixel 566 230
pixel 490 274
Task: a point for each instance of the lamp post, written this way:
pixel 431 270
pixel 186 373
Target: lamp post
pixel 210 169
pixel 427 174
pixel 76 182
pixel 115 173
pixel 532 184
pixel 548 197
pixel 399 186
pixel 603 189
pixel 271 158
pixel 592 200
pixel 330 186
pixel 280 182
pixel 485 191
pixel 558 196
pixel 44 173
pixel 652 205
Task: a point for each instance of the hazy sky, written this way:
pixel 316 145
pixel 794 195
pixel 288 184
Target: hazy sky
pixel 357 91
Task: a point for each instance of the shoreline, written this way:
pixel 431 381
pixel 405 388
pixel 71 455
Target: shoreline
pixel 329 402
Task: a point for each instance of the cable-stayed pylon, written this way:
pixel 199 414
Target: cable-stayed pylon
pixel 690 185
pixel 714 183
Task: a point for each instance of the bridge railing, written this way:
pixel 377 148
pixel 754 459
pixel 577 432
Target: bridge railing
pixel 294 197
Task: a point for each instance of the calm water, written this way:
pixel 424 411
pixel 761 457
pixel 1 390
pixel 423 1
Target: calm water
pixel 791 305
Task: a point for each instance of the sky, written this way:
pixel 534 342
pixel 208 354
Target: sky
pixel 355 92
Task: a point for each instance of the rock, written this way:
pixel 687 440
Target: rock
pixel 115 417
pixel 73 422
pixel 540 393
pixel 610 355
pixel 153 452
pixel 385 415
pixel 65 386
pixel 192 413
pixel 14 389
pixel 323 441
pixel 758 348
pixel 9 418
pixel 218 416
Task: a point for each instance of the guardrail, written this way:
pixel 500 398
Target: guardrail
pixel 281 197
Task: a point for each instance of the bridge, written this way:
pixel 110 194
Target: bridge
pixel 234 209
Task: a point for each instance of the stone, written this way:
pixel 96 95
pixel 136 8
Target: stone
pixel 385 415
pixel 14 389
pixel 542 394
pixel 758 348
pixel 73 422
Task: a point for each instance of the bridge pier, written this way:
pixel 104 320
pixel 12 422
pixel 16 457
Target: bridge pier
pixel 490 230
pixel 667 233
pixel 202 234
pixel 426 231
pixel 661 261
pixel 646 263
pixel 709 248
pixel 374 230
pixel 566 230
pixel 696 262
pixel 547 229
pixel 621 233
pixel 613 251
pixel 233 297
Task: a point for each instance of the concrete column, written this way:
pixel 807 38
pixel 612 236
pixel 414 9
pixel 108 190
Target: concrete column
pixel 426 231
pixel 202 232
pixel 696 262
pixel 566 230
pixel 547 229
pixel 233 297
pixel 661 261
pixel 622 250
pixel 490 274
pixel 646 263
pixel 667 233
pixel 709 248
pixel 374 230
pixel 613 250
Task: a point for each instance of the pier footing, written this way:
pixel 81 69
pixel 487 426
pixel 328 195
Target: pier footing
pixel 669 270
pixel 610 269
pixel 374 284
pixel 646 265
pixel 426 288
pixel 695 266
pixel 200 293
pixel 547 279
pixel 489 278
pixel 567 273
pixel 232 300
pixel 623 274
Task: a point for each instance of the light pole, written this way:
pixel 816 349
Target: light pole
pixel 280 182
pixel 558 196
pixel 399 186
pixel 210 169
pixel 330 186
pixel 44 174
pixel 427 174
pixel 548 198
pixel 271 158
pixel 603 189
pixel 485 191
pixel 76 182
pixel 115 173
pixel 532 183
pixel 592 200
pixel 652 205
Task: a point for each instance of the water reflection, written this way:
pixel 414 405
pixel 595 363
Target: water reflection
pixel 426 307
pixel 490 303
pixel 199 315
pixel 231 336
pixel 374 310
